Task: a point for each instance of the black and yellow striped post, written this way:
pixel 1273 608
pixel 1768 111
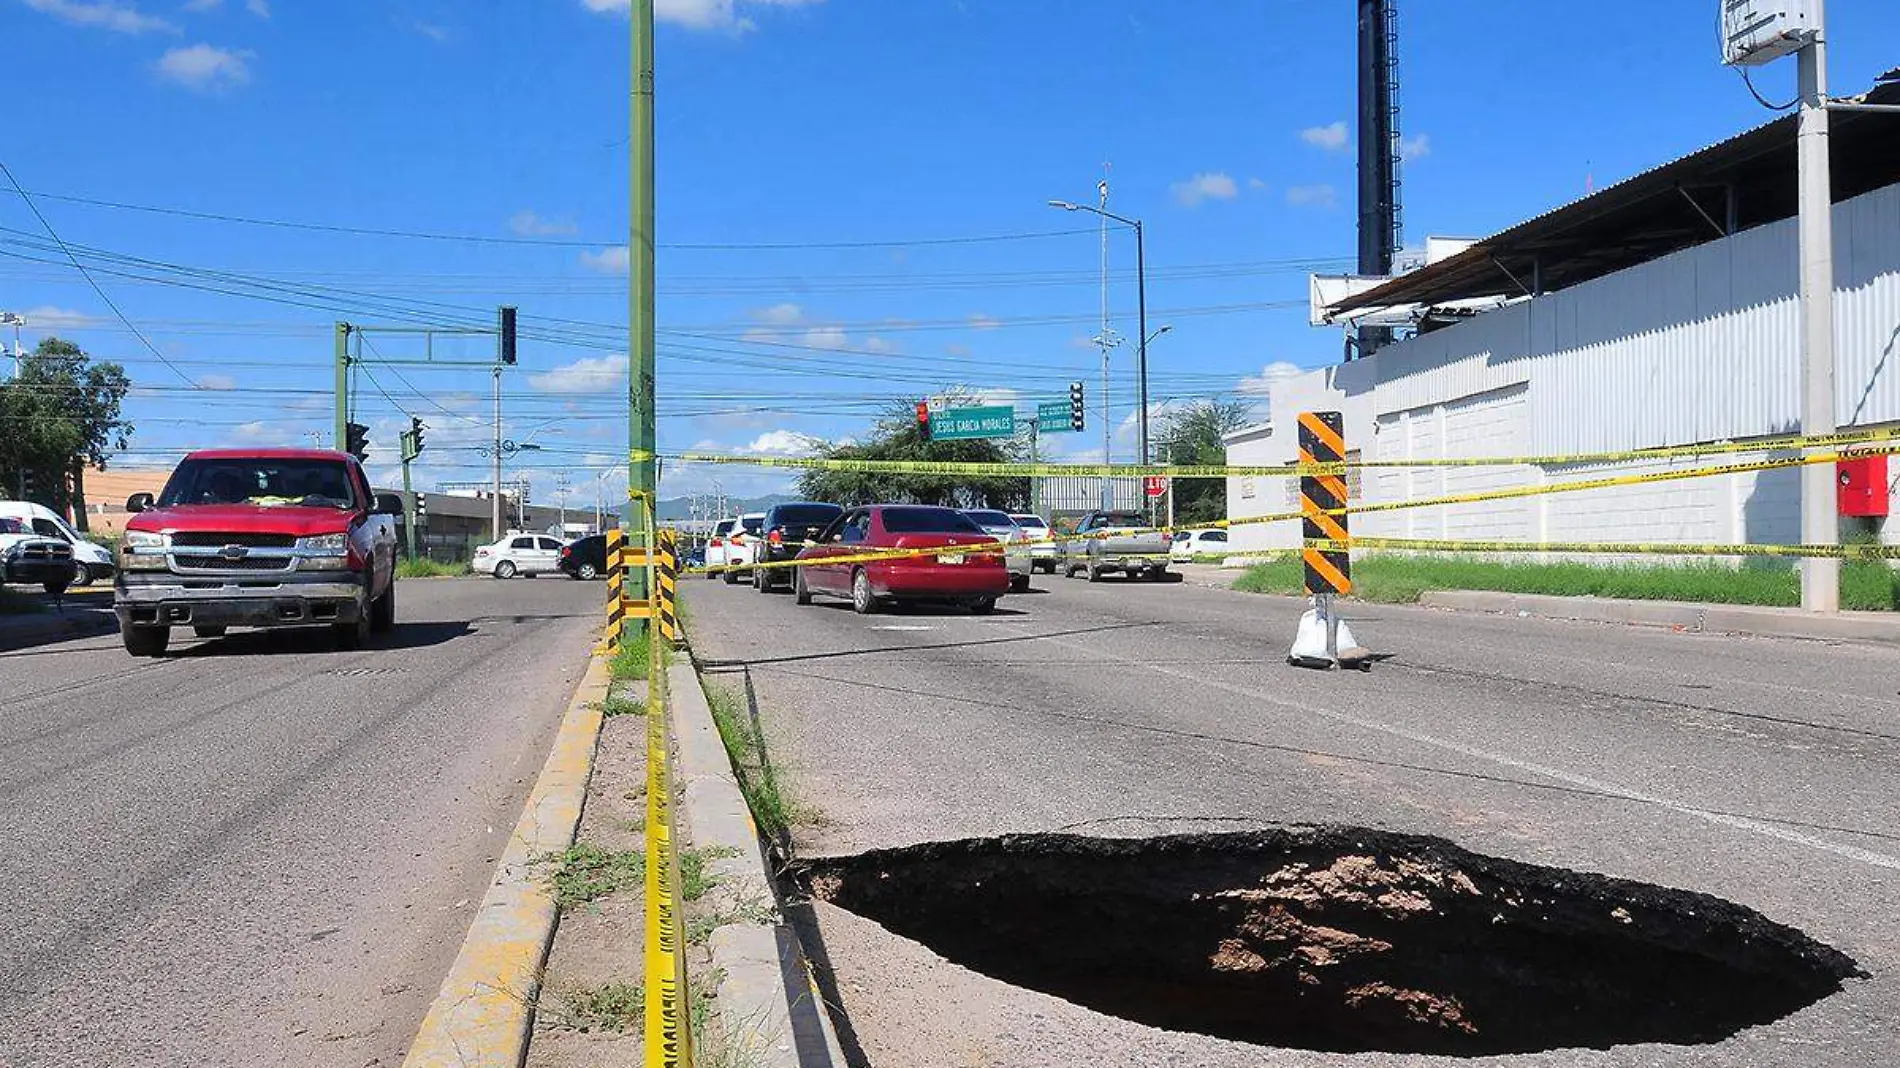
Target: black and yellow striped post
pixel 1328 571
pixel 616 571
pixel 669 574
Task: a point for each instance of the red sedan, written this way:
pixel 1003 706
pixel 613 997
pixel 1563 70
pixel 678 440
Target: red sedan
pixel 969 572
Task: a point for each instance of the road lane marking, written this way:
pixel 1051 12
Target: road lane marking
pixel 901 626
pixel 1742 823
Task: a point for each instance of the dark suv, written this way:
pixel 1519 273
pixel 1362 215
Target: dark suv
pixel 584 558
pixel 786 529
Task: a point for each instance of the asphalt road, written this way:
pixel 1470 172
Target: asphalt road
pixel 262 851
pixel 1762 771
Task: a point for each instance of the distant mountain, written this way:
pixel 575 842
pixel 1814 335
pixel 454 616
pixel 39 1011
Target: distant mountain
pixel 682 507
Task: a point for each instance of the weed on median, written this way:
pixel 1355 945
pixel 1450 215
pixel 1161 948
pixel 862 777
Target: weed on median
pixel 422 567
pixel 771 810
pixel 634 658
pixel 1392 579
pixel 615 1007
pixel 584 872
pixel 618 705
pixel 695 880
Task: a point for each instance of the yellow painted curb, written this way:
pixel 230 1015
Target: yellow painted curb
pixel 482 1015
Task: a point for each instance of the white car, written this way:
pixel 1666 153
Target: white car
pixel 92 563
pixel 1016 541
pixel 1189 544
pixel 1044 553
pixel 732 544
pixel 519 554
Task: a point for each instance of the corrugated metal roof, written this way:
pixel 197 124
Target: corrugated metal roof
pixel 1737 184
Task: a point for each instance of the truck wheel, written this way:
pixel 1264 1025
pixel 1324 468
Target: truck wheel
pixel 382 611
pixel 1157 574
pixel 1018 583
pixel 209 630
pixel 1095 573
pixel 1068 571
pixel 505 569
pixel 351 635
pixel 146 641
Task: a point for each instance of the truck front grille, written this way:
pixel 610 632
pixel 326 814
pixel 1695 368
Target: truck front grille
pixel 219 563
pixel 197 539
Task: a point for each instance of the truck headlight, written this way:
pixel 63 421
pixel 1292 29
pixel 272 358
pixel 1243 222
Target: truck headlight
pixel 325 544
pixel 142 550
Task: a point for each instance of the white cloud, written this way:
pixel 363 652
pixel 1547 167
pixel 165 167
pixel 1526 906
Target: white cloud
pixel 1261 385
pixel 260 8
pixel 589 374
pixel 879 345
pixel 1331 137
pixel 104 14
pixel 980 321
pixel 218 382
pixel 203 5
pixel 780 314
pixel 1206 186
pixel 1312 196
pixel 607 261
pixel 527 222
pixel 826 337
pixel 783 443
pixel 438 34
pixel 954 349
pixel 1415 147
pixel 725 15
pixel 1256 185
pixel 47 317
pixel 204 68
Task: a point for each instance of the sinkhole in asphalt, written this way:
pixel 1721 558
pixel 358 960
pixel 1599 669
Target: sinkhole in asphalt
pixel 1340 939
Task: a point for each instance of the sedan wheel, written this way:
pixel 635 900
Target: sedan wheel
pixel 862 601
pixel 800 593
pixel 983 606
pixel 505 569
pixel 588 571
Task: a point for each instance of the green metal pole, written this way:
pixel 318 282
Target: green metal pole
pixel 642 475
pixel 342 384
pixel 408 510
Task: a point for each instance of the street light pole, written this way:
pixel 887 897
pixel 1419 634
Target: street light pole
pixel 1141 315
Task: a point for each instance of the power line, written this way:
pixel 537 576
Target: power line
pixel 110 303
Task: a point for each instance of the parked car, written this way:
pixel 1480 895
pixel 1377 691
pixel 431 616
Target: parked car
pixel 787 528
pixel 1107 542
pixel 970 571
pixel 258 538
pixel 1004 528
pixel 518 554
pixel 91 562
pixel 731 545
pixel 1189 544
pixel 1044 553
pixel 27 557
pixel 584 558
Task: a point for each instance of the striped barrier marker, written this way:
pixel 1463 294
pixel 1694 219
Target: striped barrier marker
pixel 616 568
pixel 1328 570
pixel 669 572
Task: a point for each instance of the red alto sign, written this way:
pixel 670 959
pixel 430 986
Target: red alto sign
pixel 1155 485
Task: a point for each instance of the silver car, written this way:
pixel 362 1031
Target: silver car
pixel 1044 553
pixel 1016 543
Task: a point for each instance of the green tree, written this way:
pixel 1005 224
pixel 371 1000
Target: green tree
pixel 896 437
pixel 61 414
pixel 1192 436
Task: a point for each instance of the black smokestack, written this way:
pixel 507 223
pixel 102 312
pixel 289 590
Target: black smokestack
pixel 1378 152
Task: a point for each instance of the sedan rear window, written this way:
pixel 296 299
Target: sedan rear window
pixel 918 519
pixel 991 519
pixel 1030 522
pixel 753 524
pixel 808 515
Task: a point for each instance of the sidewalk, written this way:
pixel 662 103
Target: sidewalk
pixel 75 620
pixel 1714 618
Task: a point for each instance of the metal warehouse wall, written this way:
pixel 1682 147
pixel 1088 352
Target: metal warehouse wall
pixel 1700 345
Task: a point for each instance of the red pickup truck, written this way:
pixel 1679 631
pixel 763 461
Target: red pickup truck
pixel 258 538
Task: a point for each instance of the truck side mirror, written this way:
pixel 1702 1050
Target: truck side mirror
pixel 138 502
pixel 388 504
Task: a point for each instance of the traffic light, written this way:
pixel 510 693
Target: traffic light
pixel 923 419
pixel 508 334
pixel 356 441
pixel 422 507
pixel 1077 405
pixel 416 428
pixel 412 440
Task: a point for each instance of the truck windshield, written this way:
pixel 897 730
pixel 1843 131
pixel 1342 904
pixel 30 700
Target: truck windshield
pixel 259 481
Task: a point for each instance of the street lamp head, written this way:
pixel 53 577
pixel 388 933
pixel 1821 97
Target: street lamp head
pixel 1065 205
pixel 1164 329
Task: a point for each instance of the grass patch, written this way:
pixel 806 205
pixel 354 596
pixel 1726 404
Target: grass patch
pixel 771 810
pixel 699 928
pixel 613 1007
pixel 622 706
pixel 632 660
pixel 694 879
pixel 585 872
pixel 422 567
pixel 1391 579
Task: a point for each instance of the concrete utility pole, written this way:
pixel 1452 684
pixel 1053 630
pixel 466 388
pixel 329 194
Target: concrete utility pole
pixel 642 477
pixel 16 321
pixel 1820 578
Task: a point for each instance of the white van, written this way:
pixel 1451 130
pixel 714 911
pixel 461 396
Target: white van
pixel 91 562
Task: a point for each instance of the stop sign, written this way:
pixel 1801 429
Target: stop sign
pixel 1156 485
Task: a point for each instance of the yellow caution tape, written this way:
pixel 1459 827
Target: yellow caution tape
pixel 668 1032
pixel 1207 471
pixel 1839 552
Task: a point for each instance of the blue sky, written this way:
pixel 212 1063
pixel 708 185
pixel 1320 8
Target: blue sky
pixel 818 142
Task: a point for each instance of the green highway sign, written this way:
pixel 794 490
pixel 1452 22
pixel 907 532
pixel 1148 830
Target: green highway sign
pixel 1052 417
pixel 951 424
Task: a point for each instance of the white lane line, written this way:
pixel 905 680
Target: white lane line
pixel 900 626
pixel 1741 823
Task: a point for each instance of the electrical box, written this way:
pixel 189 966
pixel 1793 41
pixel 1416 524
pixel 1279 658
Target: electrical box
pixel 1863 486
pixel 1755 32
